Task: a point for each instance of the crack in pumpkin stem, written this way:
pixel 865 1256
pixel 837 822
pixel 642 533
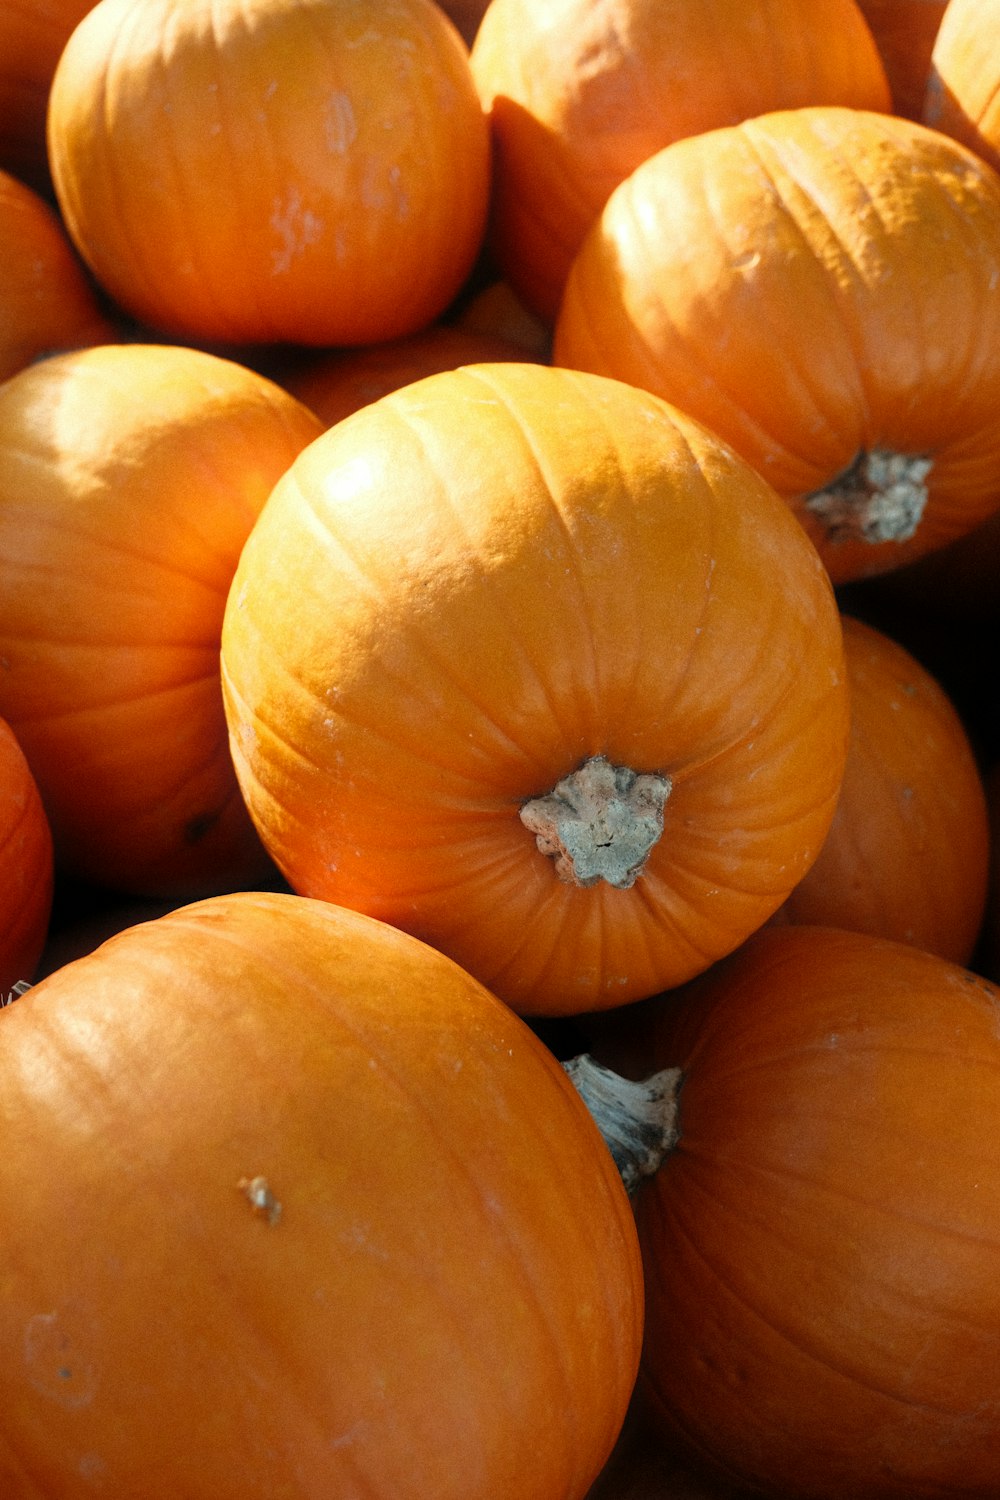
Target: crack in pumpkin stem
pixel 638 1121
pixel 599 823
pixel 879 498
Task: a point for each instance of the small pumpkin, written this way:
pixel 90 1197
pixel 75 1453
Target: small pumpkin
pixel 26 867
pixel 33 33
pixel 46 300
pixel 324 178
pixel 579 92
pixel 529 664
pixel 291 1206
pixel 337 382
pixel 904 32
pixel 820 1241
pixel 818 286
pixel 130 475
pixel 961 95
pixel 907 854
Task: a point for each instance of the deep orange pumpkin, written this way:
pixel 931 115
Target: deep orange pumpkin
pixel 907 855
pixel 579 92
pixel 819 287
pixel 323 180
pixel 33 33
pixel 130 475
pixel 529 664
pixel 46 301
pixel 821 1246
pixel 904 32
pixel 962 87
pixel 26 870
pixel 337 382
pixel 291 1206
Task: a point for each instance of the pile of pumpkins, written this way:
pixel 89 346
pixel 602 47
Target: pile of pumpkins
pixel 499 750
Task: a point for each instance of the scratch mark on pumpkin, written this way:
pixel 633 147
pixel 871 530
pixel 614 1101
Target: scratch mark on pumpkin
pixel 296 226
pixel 258 1191
pixel 339 126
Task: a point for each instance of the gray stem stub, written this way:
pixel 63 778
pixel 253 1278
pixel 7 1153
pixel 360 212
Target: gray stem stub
pixel 599 823
pixel 880 498
pixel 638 1121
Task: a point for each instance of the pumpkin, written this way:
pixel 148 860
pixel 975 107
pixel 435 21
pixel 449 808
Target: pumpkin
pixel 527 663
pixel 907 854
pixel 497 309
pixel 292 1206
pixel 579 92
pixel 130 475
pixel 961 95
pixel 337 382
pixel 324 178
pixel 26 870
pixel 904 32
pixel 46 301
pixel 816 285
pixel 820 1242
pixel 32 35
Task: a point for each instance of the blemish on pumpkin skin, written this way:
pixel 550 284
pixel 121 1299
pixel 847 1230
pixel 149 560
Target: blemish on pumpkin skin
pixel 257 1191
pixel 55 1364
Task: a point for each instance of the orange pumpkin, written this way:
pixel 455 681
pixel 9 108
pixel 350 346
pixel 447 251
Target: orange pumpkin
pixel 337 382
pixel 904 32
pixel 907 855
pixel 579 92
pixel 292 1206
pixel 324 178
pixel 816 285
pixel 46 301
pixel 821 1243
pixel 26 872
pixel 33 33
pixel 962 89
pixel 527 663
pixel 130 475
pixel 497 309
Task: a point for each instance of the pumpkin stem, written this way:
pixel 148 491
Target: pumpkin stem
pixel 637 1120
pixel 880 498
pixel 599 823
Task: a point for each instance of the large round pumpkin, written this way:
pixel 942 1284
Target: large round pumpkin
pixel 819 286
pixel 292 1207
pixel 46 301
pixel 907 854
pixel 130 475
pixel 821 1245
pixel 26 867
pixel 531 665
pixel 315 171
pixel 579 92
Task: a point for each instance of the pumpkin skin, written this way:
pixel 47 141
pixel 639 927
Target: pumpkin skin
pixel 820 1249
pixel 485 583
pixel 579 92
pixel 961 92
pixel 440 1294
pixel 904 32
pixel 46 301
pixel 130 476
pixel 349 137
pixel 907 854
pixel 816 286
pixel 32 35
pixel 26 870
pixel 335 383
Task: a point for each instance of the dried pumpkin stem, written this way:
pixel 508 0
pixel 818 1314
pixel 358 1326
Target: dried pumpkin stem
pixel 599 823
pixel 637 1120
pixel 880 498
